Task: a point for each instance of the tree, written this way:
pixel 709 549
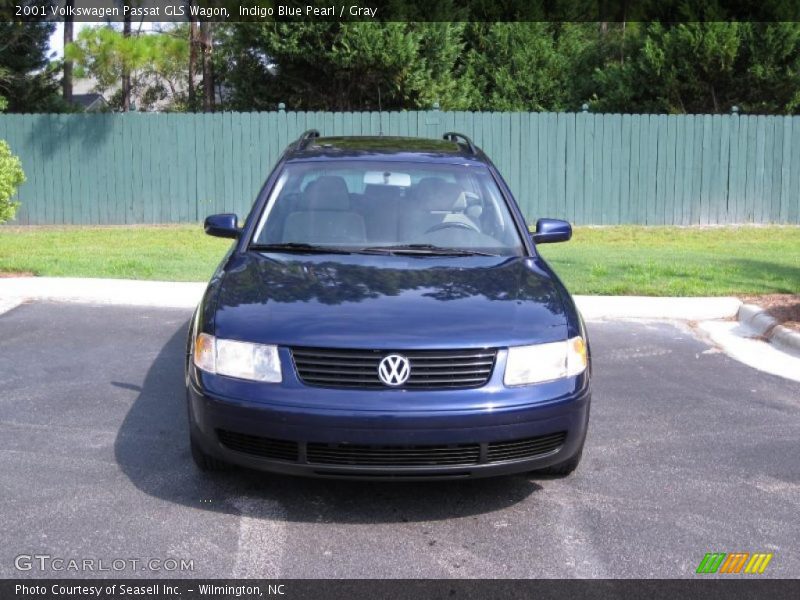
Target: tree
pixel 700 65
pixel 3 101
pixel 695 68
pixel 192 57
pixel 522 66
pixel 155 64
pixel 126 65
pixel 691 67
pixel 11 177
pixel 773 68
pixel 27 80
pixel 11 173
pixel 110 57
pixel 165 75
pixel 207 53
pixel 342 66
pixel 68 34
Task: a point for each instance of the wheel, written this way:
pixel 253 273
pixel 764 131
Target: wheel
pixel 562 469
pixel 204 461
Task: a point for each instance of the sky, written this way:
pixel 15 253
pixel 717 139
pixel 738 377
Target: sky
pixel 57 39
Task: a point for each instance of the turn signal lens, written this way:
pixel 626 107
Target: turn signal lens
pixel 205 353
pixel 577 358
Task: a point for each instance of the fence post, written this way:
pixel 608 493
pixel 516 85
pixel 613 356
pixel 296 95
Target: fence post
pixel 432 118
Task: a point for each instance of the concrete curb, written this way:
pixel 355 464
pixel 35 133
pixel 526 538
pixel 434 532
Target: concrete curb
pixel 761 323
pixel 647 307
pixel 168 294
pixel 162 294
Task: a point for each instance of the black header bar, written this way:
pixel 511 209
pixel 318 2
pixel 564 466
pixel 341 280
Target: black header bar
pixel 744 587
pixel 400 10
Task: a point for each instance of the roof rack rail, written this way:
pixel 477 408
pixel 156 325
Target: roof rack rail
pixel 453 136
pixel 305 138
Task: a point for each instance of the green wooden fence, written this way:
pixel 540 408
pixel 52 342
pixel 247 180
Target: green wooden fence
pixel 588 168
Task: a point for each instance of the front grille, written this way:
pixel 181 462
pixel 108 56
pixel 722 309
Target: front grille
pixel 522 449
pixel 259 446
pixel 362 455
pixel 430 369
pixel 393 456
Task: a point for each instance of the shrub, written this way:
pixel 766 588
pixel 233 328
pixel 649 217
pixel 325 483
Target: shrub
pixel 11 176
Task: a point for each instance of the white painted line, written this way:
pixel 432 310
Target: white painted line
pixel 262 535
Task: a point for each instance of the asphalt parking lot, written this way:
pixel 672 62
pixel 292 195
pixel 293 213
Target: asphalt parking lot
pixel 688 452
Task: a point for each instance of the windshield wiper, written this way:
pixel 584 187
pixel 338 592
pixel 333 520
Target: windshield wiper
pixel 298 247
pixel 423 249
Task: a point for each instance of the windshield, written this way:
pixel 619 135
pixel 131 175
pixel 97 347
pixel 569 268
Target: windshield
pixel 387 206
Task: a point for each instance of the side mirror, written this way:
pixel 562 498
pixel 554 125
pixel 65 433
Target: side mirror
pixel 224 225
pixel 549 231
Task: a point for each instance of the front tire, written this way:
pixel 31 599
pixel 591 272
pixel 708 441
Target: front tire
pixel 206 462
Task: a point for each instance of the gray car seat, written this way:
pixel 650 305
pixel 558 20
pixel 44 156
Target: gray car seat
pixel 380 206
pixel 323 215
pixel 434 201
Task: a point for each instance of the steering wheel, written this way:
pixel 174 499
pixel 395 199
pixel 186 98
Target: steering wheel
pixel 449 224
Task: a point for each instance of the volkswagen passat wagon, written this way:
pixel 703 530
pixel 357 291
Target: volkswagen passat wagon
pixel 384 313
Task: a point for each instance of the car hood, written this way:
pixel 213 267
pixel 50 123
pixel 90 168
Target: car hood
pixel 388 302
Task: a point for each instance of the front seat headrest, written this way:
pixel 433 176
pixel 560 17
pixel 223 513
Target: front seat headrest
pixel 328 192
pixel 437 194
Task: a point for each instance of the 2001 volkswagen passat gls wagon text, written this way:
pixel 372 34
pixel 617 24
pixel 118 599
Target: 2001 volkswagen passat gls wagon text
pixel 384 313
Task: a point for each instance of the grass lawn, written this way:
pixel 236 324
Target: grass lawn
pixel 656 261
pixel 164 252
pixel 677 261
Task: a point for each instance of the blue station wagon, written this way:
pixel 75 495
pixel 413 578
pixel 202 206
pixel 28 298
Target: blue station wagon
pixel 383 313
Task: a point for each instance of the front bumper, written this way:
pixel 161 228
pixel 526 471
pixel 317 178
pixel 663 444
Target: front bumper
pixel 302 418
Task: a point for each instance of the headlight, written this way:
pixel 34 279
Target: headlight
pixel 257 362
pixel 545 362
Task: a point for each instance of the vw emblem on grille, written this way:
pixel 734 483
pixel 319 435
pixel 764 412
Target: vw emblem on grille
pixel 394 370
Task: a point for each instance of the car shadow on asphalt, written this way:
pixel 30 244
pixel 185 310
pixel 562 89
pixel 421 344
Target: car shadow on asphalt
pixel 152 450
